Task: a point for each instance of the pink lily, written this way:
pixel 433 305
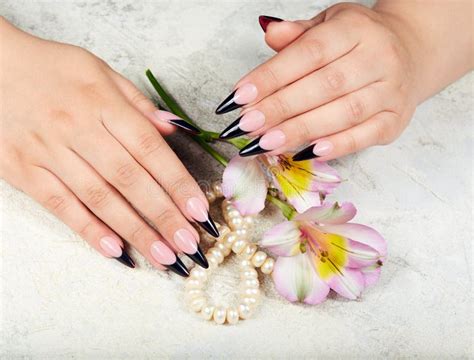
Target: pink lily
pixel 303 183
pixel 319 250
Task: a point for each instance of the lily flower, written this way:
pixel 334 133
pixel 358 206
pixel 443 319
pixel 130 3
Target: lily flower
pixel 303 183
pixel 320 250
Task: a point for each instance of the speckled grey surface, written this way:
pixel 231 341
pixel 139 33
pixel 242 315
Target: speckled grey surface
pixel 60 300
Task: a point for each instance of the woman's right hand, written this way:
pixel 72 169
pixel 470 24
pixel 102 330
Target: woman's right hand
pixel 85 143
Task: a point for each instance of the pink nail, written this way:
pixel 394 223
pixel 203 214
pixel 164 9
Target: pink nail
pixel 251 121
pixel 165 116
pixel 272 140
pixel 323 148
pixel 245 94
pixel 197 209
pixel 111 245
pixel 162 253
pixel 185 241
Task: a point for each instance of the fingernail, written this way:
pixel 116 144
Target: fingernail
pixel 198 211
pixel 243 95
pixel 166 116
pixel 251 121
pixel 112 246
pixel 185 241
pixel 199 258
pixel 264 20
pixel 163 254
pixel 313 151
pixel 270 141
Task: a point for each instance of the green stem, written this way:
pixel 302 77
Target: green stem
pixel 286 209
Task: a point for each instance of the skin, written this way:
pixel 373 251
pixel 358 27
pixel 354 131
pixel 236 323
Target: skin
pixel 77 137
pixel 353 76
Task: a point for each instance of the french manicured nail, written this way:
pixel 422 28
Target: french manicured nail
pixel 199 212
pixel 264 20
pixel 171 118
pixel 270 141
pixel 186 241
pixel 250 121
pixel 239 97
pixel 318 149
pixel 166 257
pixel 112 247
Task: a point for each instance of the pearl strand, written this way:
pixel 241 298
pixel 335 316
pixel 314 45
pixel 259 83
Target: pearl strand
pixel 233 238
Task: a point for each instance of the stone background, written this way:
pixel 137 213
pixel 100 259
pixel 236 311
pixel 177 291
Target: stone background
pixel 59 299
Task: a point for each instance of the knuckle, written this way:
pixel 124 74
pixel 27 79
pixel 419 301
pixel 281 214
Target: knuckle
pixel 181 186
pixel 86 229
pixel 164 217
pixel 314 49
pixel 280 107
pixel 137 96
pixel 269 77
pixel 97 196
pixel 126 174
pixel 139 234
pixel 304 131
pixel 148 143
pixel 350 143
pixel 356 109
pixel 333 80
pixel 56 203
pixel 386 130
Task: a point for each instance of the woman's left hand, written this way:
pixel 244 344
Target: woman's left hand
pixel 342 81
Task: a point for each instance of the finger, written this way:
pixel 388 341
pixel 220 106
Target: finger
pixel 109 206
pixel 339 78
pixel 153 153
pixel 54 195
pixel 280 33
pixel 143 104
pixel 338 115
pixel 316 48
pixel 380 129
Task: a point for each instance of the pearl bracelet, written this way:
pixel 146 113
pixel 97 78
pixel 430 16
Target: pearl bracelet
pixel 233 238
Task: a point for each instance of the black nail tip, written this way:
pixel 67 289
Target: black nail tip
pixel 126 260
pixel 233 130
pixel 178 268
pixel 199 258
pixel 253 148
pixel 305 154
pixel 227 105
pixel 185 126
pixel 210 227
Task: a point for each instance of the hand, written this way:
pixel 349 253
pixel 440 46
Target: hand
pixel 85 143
pixel 342 81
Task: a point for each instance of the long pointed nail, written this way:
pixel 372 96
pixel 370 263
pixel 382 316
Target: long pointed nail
pixel 251 121
pixel 113 247
pixel 239 97
pixel 265 20
pixel 178 268
pixel 163 255
pixel 270 141
pixel 199 258
pixel 198 211
pixel 313 151
pixel 171 118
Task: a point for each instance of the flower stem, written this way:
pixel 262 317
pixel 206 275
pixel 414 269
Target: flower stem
pixel 286 209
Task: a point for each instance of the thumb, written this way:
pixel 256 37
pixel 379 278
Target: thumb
pixel 281 33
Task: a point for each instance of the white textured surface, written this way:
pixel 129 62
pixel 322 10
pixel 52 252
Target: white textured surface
pixel 59 299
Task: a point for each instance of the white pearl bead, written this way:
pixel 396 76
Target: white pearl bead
pixel 212 261
pixel 199 274
pixel 193 293
pixel 251 301
pixel 207 312
pixel 210 196
pixel 242 233
pixel 192 283
pixel 245 311
pixel 219 315
pixel 249 292
pixel 229 239
pixel 267 266
pixel 259 258
pixel 251 283
pixel 248 251
pixel 225 250
pixel 223 231
pixel 238 246
pixel 245 263
pixel 249 273
pixel 235 223
pixel 217 254
pixel 247 222
pixel 232 315
pixel 227 206
pixel 234 214
pixel 197 303
pixel 216 186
